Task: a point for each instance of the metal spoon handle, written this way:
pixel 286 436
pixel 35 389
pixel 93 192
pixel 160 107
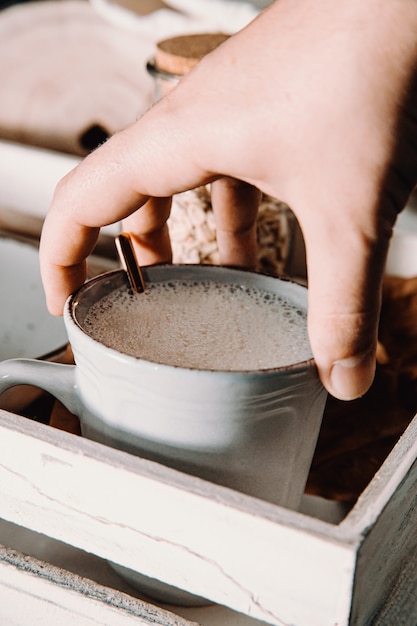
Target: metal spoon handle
pixel 129 261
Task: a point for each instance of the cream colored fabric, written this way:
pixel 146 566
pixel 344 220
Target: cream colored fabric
pixel 63 70
pixel 73 72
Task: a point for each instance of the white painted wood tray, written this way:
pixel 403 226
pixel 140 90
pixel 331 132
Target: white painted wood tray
pixel 257 562
pixel 274 565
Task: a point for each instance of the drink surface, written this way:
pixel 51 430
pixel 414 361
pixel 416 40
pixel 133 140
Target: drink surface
pixel 203 325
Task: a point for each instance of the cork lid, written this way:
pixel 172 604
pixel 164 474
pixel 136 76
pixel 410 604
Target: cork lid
pixel 178 55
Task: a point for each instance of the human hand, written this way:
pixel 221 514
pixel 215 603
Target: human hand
pixel 312 103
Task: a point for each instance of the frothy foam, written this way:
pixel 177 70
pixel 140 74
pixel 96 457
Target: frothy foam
pixel 204 325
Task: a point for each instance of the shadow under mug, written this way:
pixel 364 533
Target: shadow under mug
pixel 252 431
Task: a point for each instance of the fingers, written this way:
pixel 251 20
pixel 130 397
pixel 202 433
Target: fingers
pixel 63 273
pixel 345 269
pixel 235 206
pixel 109 185
pixel 149 231
pixel 84 200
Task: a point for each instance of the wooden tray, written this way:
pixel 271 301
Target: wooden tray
pixel 273 564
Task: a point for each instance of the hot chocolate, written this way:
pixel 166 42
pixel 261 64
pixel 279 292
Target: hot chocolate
pixel 202 325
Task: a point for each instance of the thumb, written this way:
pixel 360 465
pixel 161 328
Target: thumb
pixel 345 260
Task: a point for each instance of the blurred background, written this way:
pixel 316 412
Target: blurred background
pixel 72 73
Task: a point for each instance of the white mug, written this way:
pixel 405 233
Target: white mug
pixel 252 431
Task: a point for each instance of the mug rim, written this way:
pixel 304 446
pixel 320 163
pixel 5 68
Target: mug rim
pixel 70 316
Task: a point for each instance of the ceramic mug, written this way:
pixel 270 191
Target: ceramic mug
pixel 253 431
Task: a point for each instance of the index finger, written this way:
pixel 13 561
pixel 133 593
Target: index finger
pixel 109 185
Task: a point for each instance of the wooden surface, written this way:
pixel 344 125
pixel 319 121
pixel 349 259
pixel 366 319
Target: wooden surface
pixel 386 576
pixel 275 565
pixel 36 593
pixel 269 564
pixel 242 553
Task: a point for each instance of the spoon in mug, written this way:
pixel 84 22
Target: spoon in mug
pixel 129 261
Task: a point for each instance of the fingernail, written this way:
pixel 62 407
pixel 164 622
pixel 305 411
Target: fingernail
pixel 351 378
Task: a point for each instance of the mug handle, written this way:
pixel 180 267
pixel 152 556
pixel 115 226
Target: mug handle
pixel 57 379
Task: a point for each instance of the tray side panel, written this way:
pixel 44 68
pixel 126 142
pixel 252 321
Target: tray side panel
pixel 386 575
pixel 260 560
pixel 39 594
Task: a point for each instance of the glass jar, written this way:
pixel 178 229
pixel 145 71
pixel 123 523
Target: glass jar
pixel 192 224
pixel 176 56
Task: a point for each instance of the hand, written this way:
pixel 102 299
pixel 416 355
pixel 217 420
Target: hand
pixel 312 103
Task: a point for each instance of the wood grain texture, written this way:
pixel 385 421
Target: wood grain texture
pixel 386 573
pixel 35 593
pixel 272 564
pixel 238 551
